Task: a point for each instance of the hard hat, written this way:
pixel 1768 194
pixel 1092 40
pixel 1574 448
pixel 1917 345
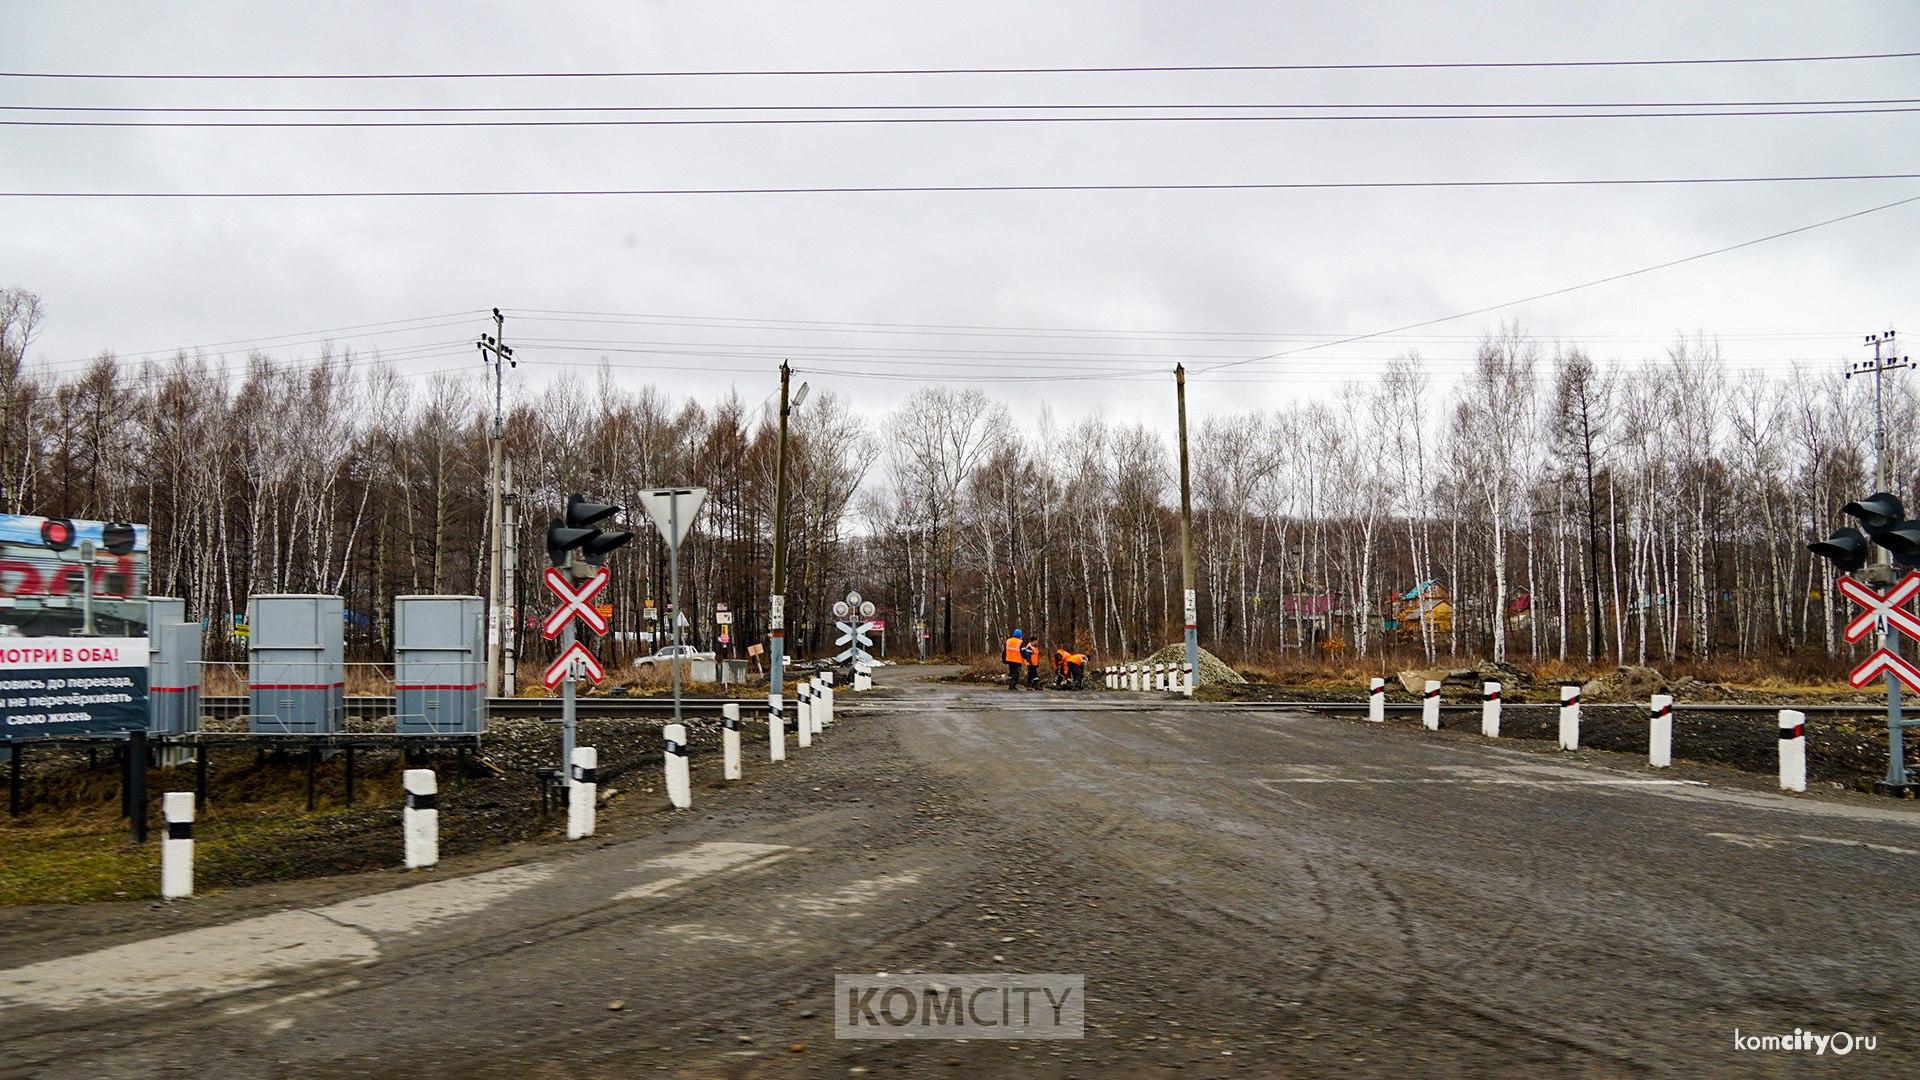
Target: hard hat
pixel 1016 633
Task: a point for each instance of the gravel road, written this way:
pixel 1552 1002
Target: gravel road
pixel 1247 893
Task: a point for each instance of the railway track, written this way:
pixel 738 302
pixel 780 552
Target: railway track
pixel 226 707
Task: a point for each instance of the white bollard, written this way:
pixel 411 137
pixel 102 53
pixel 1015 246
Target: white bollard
pixel 176 850
pixel 803 712
pixel 421 824
pixel 583 787
pixel 1160 676
pixel 820 704
pixel 826 684
pixel 679 783
pixel 730 741
pixel 1660 731
pixel 862 679
pixel 1106 677
pixel 1377 700
pixel 1430 706
pixel 776 730
pixel 1793 750
pixel 1569 718
pixel 1490 710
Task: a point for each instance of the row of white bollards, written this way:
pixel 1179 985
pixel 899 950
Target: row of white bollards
pixel 1168 678
pixel 420 814
pixel 1793 737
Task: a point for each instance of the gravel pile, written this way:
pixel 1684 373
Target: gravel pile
pixel 1213 670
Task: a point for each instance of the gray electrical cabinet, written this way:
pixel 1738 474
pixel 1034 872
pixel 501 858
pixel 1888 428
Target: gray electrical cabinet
pixel 439 665
pixel 296 670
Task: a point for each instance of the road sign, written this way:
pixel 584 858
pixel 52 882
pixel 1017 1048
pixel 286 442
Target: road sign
pixel 673 510
pixel 574 602
pixel 605 611
pixel 1888 606
pixel 879 624
pixel 1884 660
pixel 575 663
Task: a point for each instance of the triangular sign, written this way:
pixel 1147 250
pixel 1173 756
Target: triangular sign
pixel 673 509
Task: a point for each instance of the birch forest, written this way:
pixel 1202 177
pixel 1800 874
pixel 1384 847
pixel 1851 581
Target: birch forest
pixel 1538 503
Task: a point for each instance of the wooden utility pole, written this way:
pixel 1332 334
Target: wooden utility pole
pixel 777 602
pixel 1186 538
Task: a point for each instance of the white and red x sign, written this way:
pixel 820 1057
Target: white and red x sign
pixel 574 602
pixel 1884 660
pixel 1889 605
pixel 576 662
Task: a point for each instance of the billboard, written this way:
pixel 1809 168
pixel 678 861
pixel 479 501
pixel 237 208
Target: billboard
pixel 55 681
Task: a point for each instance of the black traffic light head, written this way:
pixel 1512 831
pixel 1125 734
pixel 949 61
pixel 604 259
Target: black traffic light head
pixel 561 540
pixel 1846 549
pixel 596 548
pixel 582 514
pixel 1880 510
pixel 1902 540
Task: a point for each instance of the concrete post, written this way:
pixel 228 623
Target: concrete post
pixel 679 782
pixel 1793 750
pixel 1430 706
pixel 1569 718
pixel 421 824
pixel 776 729
pixel 730 741
pixel 583 786
pixel 1490 710
pixel 1377 700
pixel 803 712
pixel 1660 731
pixel 176 850
pixel 826 689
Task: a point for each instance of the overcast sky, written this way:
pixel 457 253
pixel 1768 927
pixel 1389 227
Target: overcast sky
pixel 134 275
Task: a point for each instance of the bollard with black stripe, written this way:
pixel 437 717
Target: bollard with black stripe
pixel 1569 718
pixel 1660 731
pixel 176 850
pixel 679 782
pixel 803 712
pixel 1793 750
pixel 730 741
pixel 583 788
pixel 1430 706
pixel 1490 710
pixel 824 717
pixel 421 818
pixel 776 729
pixel 1377 700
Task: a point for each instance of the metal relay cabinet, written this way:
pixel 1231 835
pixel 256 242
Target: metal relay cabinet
pixel 296 671
pixel 173 668
pixel 439 665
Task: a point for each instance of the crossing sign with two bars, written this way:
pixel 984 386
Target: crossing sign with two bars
pixel 1880 610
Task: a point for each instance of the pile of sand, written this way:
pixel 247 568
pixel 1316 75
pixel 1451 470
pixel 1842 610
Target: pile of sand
pixel 1212 668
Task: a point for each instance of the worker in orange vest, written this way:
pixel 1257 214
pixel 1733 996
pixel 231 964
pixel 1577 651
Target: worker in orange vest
pixel 1069 669
pixel 1030 652
pixel 1015 660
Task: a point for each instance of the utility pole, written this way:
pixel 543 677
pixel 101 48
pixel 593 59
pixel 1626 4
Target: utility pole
pixel 494 351
pixel 777 602
pixel 1186 537
pixel 510 558
pixel 1882 575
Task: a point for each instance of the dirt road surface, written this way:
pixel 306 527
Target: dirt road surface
pixel 1246 894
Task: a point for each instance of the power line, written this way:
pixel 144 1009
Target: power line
pixel 890 121
pixel 1573 288
pixel 840 72
pixel 988 107
pixel 1347 185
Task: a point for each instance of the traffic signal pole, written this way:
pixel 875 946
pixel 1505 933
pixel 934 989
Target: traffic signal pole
pixel 1883 576
pixel 494 351
pixel 1186 538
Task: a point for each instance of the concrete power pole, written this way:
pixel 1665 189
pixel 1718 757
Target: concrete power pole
pixel 1885 359
pixel 776 608
pixel 494 351
pixel 1186 533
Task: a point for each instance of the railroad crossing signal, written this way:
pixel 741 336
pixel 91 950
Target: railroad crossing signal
pixel 574 603
pixel 575 663
pixel 854 616
pixel 1888 607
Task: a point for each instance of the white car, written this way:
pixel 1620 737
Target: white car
pixel 682 653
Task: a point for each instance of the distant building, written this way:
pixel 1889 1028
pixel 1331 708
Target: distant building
pixel 1428 603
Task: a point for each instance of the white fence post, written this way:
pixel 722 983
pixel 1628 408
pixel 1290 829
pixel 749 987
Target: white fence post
pixel 176 850
pixel 421 826
pixel 1490 710
pixel 1793 750
pixel 583 786
pixel 826 685
pixel 730 741
pixel 1430 706
pixel 803 712
pixel 1569 718
pixel 1660 731
pixel 679 783
pixel 1377 700
pixel 776 730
